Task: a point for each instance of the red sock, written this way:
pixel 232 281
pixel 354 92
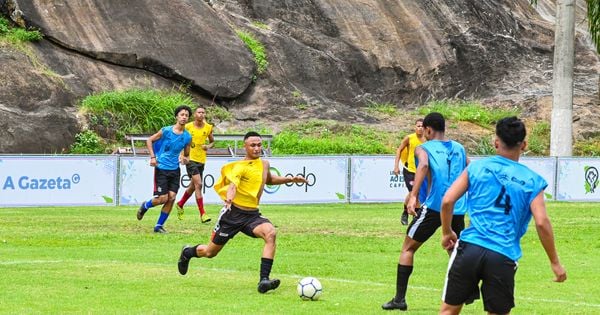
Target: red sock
pixel 184 199
pixel 200 202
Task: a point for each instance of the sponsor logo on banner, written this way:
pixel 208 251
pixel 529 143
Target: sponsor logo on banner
pixel 397 181
pixel 28 183
pixel 208 181
pixel 311 179
pixel 591 179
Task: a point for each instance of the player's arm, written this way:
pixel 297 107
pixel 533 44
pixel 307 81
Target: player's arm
pixel 403 145
pixel 211 141
pixel 420 174
pixel 278 180
pixel 231 191
pixel 546 235
pixel 458 188
pixel 149 142
pixel 185 158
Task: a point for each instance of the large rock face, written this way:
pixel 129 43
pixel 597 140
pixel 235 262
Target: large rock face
pixel 330 56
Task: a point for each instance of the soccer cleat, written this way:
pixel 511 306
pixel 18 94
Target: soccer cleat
pixel 160 229
pixel 394 305
pixel 183 262
pixel 265 285
pixel 179 211
pixel 141 211
pixel 404 218
pixel 205 218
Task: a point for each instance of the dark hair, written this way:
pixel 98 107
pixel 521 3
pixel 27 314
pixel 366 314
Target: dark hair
pixel 435 121
pixel 511 130
pixel 183 107
pixel 419 120
pixel 251 134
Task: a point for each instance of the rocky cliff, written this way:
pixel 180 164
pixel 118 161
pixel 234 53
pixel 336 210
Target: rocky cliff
pixel 333 55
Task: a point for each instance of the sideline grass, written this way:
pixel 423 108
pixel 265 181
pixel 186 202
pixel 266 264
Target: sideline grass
pixel 102 260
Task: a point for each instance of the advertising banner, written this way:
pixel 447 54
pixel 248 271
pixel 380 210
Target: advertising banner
pixel 327 180
pixel 577 179
pixel 373 180
pixel 57 180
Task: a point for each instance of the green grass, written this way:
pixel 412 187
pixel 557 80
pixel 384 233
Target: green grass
pixel 470 111
pixel 99 260
pixel 329 137
pixel 258 50
pixel 17 35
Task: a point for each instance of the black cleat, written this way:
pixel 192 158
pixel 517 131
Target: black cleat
pixel 141 211
pixel 404 218
pixel 183 262
pixel 265 285
pixel 393 305
pixel 160 229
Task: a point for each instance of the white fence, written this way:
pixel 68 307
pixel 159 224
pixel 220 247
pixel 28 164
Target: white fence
pixel 126 180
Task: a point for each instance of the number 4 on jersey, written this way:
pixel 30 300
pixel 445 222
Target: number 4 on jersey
pixel 503 201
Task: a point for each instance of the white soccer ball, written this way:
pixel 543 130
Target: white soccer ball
pixel 310 288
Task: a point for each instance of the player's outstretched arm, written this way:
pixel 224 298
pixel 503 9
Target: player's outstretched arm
pixel 546 235
pixel 403 145
pixel 278 180
pixel 421 173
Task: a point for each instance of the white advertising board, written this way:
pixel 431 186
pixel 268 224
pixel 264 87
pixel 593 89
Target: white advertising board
pixel 327 180
pixel 57 180
pixel 578 180
pixel 373 180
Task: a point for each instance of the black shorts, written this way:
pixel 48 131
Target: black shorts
pixel 427 221
pixel 195 168
pixel 409 178
pixel 469 264
pixel 235 220
pixel 165 181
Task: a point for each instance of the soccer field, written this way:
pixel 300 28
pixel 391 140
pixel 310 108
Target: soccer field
pixel 102 260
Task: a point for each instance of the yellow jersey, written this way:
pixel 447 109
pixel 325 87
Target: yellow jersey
pixel 247 175
pixel 199 136
pixel 408 153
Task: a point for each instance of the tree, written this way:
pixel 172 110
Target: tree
pixel 561 132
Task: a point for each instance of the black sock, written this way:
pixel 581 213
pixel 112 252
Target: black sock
pixel 190 252
pixel 265 267
pixel 402 281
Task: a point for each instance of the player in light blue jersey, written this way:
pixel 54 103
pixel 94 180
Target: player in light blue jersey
pixel 165 147
pixel 439 162
pixel 502 197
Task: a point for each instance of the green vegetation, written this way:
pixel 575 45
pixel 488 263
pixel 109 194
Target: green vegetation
pixel 257 49
pixel 467 111
pixel 261 25
pixel 328 137
pixel 588 147
pixel 538 139
pixel 16 35
pixel 88 142
pixel 387 109
pixel 107 262
pixel 132 111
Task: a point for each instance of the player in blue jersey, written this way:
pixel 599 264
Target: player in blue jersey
pixel 165 147
pixel 502 197
pixel 439 162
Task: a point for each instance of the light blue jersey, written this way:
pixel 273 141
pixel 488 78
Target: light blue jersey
pixel 168 147
pixel 447 160
pixel 499 196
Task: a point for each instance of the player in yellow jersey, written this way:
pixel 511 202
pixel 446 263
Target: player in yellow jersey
pixel 241 186
pixel 200 131
pixel 406 155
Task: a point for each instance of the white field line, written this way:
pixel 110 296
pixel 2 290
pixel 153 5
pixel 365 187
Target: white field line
pixel 371 283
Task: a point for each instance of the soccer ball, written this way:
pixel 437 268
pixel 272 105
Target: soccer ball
pixel 310 288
